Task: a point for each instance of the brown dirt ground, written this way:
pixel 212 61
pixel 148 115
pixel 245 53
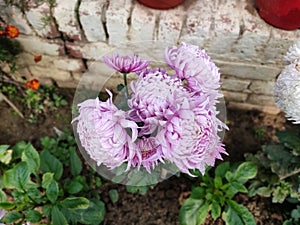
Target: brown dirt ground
pixel 160 206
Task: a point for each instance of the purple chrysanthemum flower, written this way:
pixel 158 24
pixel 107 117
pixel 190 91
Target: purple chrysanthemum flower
pixel 195 67
pixel 190 139
pixel 125 64
pixel 148 153
pixel 102 132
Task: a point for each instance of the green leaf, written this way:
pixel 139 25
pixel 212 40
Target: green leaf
pixel 11 217
pixel 215 210
pixel 74 186
pixel 75 163
pixel 18 149
pixel 2 196
pixel 35 194
pixel 57 218
pixel 198 193
pixel 18 177
pixel 46 209
pixel 3 148
pixel 52 191
pixel 75 203
pixel 94 214
pixel 222 169
pixel 47 179
pixel 218 182
pixel 290 138
pixel 244 172
pixel 31 157
pixel 279 195
pixel 5 154
pixel 33 216
pixel 7 205
pixel 264 191
pixel 113 195
pixel 237 214
pixel 50 163
pixel 193 212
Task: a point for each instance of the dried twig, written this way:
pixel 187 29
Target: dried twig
pixel 11 104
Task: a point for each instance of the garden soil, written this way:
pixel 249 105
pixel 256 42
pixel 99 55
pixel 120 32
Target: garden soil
pixel 248 130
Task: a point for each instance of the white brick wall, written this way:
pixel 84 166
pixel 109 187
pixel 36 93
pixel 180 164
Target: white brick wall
pixel 248 51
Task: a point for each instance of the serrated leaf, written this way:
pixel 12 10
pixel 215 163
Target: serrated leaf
pixel 7 205
pixel 50 163
pixel 244 172
pixel 33 216
pixel 193 212
pixel 222 169
pixel 52 191
pixel 237 214
pixel 75 203
pixel 75 163
pixel 32 158
pixel 57 218
pixel 35 194
pixel 113 195
pixel 280 194
pixel 215 210
pixel 12 217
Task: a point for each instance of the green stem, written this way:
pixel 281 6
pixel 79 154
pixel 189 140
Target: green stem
pixel 125 84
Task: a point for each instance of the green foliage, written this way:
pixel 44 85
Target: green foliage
pixel 295 217
pixel 40 180
pixel 215 195
pixel 279 168
pixel 9 48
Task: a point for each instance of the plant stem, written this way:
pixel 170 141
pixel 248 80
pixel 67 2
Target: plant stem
pixel 125 84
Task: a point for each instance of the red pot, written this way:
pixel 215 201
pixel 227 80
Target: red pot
pixel 161 4
pixel 284 14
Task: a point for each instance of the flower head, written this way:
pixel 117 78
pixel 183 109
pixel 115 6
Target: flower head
pixel 287 92
pixel 33 84
pixel 11 31
pixel 125 64
pixel 102 132
pixel 293 54
pixel 195 67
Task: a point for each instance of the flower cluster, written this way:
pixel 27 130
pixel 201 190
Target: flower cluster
pixel 9 31
pixel 287 87
pixel 170 118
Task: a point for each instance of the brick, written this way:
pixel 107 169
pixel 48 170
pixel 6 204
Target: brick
pixel 67 84
pixel 65 15
pixel 91 14
pixel 41 20
pixel 143 21
pixel 13 15
pixel 262 87
pixel 235 96
pixel 254 35
pixel 61 62
pixel 234 84
pixel 250 107
pixel 198 23
pixel 261 100
pixel 279 44
pixel 117 15
pixel 170 24
pixel 226 29
pixel 248 71
pixel 50 72
pixel 36 45
pixel 94 50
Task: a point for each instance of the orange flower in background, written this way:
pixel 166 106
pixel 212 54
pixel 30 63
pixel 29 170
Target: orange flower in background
pixel 12 31
pixel 2 33
pixel 37 58
pixel 33 84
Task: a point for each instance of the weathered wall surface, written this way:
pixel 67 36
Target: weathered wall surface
pixel 71 35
